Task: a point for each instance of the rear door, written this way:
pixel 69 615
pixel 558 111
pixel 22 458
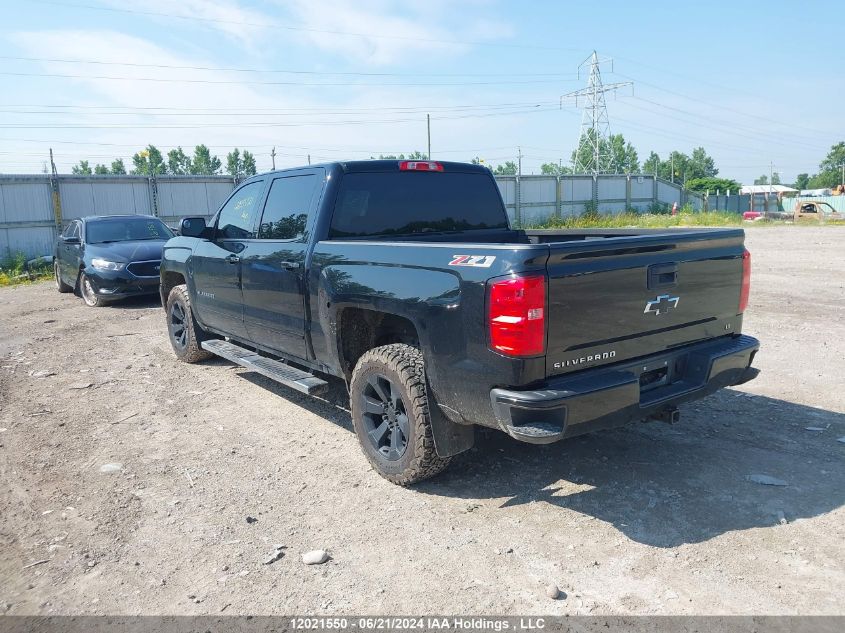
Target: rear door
pixel 273 265
pixel 612 299
pixel 216 263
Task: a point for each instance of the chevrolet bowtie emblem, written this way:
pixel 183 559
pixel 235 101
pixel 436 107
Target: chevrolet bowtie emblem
pixel 661 304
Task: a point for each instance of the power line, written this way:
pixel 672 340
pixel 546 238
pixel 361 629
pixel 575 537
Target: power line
pixel 277 70
pixel 268 112
pixel 697 100
pixel 265 123
pixel 278 83
pixel 775 139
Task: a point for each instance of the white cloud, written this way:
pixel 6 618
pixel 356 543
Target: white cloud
pixel 388 35
pixel 225 16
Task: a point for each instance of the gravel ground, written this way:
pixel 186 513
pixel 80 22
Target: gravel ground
pixel 216 467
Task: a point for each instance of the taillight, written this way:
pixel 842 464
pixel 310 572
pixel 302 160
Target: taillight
pixel 419 165
pixel 517 315
pixel 746 281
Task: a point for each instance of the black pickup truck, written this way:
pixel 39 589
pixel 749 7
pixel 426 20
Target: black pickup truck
pixel 405 279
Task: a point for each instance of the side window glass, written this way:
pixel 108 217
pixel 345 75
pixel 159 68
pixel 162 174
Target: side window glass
pixel 286 211
pixel 237 217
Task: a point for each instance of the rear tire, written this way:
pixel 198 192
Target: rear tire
pixel 86 291
pixel 185 334
pixel 390 414
pixel 60 285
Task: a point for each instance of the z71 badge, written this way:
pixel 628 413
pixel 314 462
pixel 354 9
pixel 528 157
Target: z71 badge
pixel 480 261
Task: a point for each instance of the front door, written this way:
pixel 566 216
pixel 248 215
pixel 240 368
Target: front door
pixel 69 253
pixel 273 265
pixel 216 263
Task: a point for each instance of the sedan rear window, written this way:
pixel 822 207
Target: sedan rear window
pixel 407 203
pixel 125 230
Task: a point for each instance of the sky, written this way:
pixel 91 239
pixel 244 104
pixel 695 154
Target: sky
pixel 759 86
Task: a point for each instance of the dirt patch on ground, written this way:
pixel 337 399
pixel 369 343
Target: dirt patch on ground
pixel 214 467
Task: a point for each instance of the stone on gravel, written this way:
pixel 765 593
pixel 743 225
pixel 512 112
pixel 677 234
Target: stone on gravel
pixel 781 517
pixel 552 591
pixel 766 480
pixel 251 520
pixel 112 467
pixel 42 373
pixel 82 385
pixel 315 557
pixel 277 554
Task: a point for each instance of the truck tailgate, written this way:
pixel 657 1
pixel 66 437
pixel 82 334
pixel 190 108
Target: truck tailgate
pixel 618 298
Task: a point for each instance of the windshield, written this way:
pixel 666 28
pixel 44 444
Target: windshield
pixel 125 230
pixel 404 203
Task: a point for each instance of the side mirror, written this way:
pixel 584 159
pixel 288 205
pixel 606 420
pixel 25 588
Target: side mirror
pixel 193 227
pixel 71 240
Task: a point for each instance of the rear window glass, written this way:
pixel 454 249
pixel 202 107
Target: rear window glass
pixel 406 203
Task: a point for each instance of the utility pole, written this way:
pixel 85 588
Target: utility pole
pixel 273 157
pixel 595 125
pixel 519 161
pixel 672 167
pixel 309 159
pixel 428 128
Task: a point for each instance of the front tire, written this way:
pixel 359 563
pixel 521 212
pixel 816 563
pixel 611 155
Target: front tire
pixel 390 414
pixel 60 285
pixel 185 334
pixel 89 296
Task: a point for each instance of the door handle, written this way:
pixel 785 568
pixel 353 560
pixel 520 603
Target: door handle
pixel 289 265
pixel 233 259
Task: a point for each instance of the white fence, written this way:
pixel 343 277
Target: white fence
pixel 534 199
pixel 33 209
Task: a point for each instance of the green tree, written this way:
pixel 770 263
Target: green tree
pixel 830 169
pixel 149 162
pixel 240 166
pixel 82 168
pixel 711 184
pixel 775 178
pixel 652 164
pixel 701 165
pixel 679 167
pixel 762 180
pixel 508 169
pixel 554 169
pixel 248 163
pixel 623 156
pixel 204 163
pixel 802 181
pixel 178 162
pixel 117 166
pixel 616 156
pixel 101 170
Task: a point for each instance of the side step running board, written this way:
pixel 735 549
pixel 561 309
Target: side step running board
pixel 275 370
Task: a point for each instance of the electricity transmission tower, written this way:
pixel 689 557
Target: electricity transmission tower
pixel 595 125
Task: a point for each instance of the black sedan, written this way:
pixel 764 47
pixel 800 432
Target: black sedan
pixel 110 257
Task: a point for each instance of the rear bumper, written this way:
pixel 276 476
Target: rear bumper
pixel 635 390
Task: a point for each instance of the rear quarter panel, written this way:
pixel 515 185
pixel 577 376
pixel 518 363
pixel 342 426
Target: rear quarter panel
pixel 446 304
